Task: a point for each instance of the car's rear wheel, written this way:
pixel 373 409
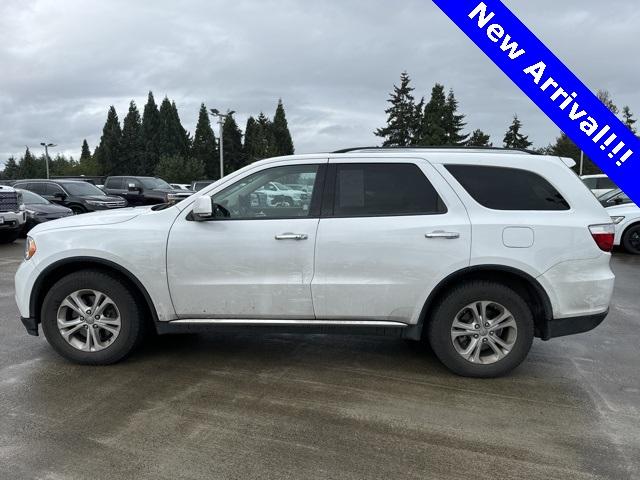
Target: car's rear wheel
pixel 631 240
pixel 90 317
pixel 481 329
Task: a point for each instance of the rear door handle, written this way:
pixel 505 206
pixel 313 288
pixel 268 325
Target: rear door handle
pixel 292 236
pixel 443 234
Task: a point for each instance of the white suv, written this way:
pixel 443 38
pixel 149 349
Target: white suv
pixel 475 251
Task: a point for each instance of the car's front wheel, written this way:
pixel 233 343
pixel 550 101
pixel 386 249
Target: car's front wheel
pixel 90 317
pixel 481 329
pixel 631 240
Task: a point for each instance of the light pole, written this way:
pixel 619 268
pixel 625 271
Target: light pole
pixel 46 155
pixel 221 118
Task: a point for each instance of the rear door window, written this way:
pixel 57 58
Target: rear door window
pixel 383 189
pixel 500 188
pixel 114 183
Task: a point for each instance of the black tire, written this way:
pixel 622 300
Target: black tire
pixel 440 325
pixel 77 209
pixel 9 237
pixel 631 240
pixel 131 330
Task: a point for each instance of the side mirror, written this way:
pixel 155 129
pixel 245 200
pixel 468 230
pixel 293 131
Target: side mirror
pixel 202 209
pixel 59 196
pixel 132 187
pixel 618 201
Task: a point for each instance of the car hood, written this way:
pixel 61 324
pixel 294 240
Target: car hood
pixel 103 217
pixel 47 208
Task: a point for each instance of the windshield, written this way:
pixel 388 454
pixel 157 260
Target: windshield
pixel 31 198
pixel 82 189
pixel 154 183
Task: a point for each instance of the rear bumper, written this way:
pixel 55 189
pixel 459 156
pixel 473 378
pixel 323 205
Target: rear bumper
pixel 562 327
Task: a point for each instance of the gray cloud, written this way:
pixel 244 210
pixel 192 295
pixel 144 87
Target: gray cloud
pixel 333 63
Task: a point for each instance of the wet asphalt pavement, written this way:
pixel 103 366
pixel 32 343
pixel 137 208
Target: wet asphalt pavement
pixel 305 407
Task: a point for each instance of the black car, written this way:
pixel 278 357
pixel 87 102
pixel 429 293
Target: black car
pixel 79 196
pixel 40 210
pixel 144 190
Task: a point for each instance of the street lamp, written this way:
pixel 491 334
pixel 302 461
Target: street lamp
pixel 221 118
pixel 46 154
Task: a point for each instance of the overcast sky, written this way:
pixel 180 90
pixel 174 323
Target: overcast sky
pixel 333 62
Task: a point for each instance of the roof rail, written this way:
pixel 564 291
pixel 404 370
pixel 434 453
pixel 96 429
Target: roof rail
pixel 441 147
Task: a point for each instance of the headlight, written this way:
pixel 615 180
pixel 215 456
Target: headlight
pixel 29 248
pixel 96 203
pixel 617 220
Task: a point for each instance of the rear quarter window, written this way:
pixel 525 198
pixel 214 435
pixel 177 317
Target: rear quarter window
pixel 501 188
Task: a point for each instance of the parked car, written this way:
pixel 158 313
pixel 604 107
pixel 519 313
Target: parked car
pixel 12 214
pixel 626 217
pixel 78 195
pixel 200 184
pixel 180 186
pixel 613 198
pixel 278 194
pixel 411 243
pixel 144 190
pixel 40 210
pixel 300 187
pixel 598 184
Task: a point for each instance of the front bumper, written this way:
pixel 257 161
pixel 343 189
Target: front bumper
pixel 12 220
pixel 562 327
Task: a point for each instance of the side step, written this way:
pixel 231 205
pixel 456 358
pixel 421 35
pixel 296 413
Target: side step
pixel 340 327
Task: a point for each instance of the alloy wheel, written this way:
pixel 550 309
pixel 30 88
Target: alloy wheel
pixel 484 332
pixel 89 320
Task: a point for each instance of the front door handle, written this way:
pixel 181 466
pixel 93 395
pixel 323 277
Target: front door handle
pixel 443 234
pixel 292 236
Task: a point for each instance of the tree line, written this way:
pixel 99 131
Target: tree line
pixel 438 122
pixel 156 143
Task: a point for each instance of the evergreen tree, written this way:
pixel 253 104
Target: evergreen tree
pixel 259 140
pixel 85 153
pixel 280 132
pixel 628 120
pixel 172 137
pixel 87 164
pixel 433 128
pixel 178 169
pixel 403 118
pixel 605 97
pixel 204 145
pixel 234 155
pixel 150 128
pixel 11 169
pixel 132 157
pixel 454 122
pixel 109 151
pixel 31 167
pixel 564 147
pixel 513 138
pixel 182 136
pixel 479 139
pixel 252 140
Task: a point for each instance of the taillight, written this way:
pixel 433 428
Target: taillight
pixel 603 235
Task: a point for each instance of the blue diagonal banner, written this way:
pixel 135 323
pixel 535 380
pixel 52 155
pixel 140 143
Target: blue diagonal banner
pixel 552 86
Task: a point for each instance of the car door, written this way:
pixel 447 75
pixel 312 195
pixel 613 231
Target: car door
pixel 254 263
pixel 390 231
